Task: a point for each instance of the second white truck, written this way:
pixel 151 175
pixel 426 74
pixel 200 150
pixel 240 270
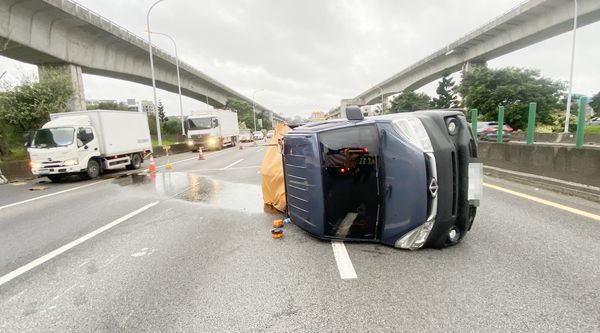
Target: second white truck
pixel 89 142
pixel 212 129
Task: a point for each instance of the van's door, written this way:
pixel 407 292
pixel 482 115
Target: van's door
pixel 351 187
pixel 87 145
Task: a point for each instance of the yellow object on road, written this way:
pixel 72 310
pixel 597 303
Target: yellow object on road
pixel 273 186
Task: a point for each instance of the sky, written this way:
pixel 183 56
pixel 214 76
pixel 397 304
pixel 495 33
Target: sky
pixel 296 57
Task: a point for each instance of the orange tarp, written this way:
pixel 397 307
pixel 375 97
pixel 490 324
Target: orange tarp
pixel 273 186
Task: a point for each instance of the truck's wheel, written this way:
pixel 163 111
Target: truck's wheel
pixel 93 169
pixel 55 178
pixel 136 162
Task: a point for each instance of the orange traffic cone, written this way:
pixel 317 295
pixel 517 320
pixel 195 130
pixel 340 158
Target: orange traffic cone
pixel 241 146
pixel 152 167
pixel 200 154
pixel 254 142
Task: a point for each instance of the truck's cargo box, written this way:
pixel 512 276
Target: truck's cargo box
pixel 119 132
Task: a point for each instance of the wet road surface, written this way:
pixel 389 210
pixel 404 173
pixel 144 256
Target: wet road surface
pixel 198 256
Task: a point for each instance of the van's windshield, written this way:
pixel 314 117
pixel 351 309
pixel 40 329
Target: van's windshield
pixel 53 137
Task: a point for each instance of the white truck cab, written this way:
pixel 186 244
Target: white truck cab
pixel 212 129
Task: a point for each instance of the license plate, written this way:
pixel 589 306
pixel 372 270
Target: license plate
pixel 475 183
pixel 44 172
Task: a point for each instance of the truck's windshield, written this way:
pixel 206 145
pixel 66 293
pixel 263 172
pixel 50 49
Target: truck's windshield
pixel 53 137
pixel 200 123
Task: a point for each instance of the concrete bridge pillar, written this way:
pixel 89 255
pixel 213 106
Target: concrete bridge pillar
pixel 471 65
pixel 73 72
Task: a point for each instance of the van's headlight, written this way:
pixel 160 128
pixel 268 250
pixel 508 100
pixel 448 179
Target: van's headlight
pixel 190 142
pixel 212 141
pixel 415 238
pixel 35 165
pixel 70 162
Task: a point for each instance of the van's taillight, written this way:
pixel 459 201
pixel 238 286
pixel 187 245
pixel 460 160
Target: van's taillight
pixel 488 129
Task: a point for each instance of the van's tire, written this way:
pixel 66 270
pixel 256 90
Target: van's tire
pixel 136 162
pixel 93 169
pixel 56 178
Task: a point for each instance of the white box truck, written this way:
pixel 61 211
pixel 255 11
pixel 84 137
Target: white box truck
pixel 212 129
pixel 89 142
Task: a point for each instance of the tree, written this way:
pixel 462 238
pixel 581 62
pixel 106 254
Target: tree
pixel 243 110
pixel 595 104
pixel 446 94
pixel 161 112
pixel 410 101
pixel 28 105
pixel 108 106
pixel 514 88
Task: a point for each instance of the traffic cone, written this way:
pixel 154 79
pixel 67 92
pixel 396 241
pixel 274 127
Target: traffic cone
pixel 152 167
pixel 254 142
pixel 241 146
pixel 200 154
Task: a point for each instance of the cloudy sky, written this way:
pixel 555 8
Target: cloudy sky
pixel 304 56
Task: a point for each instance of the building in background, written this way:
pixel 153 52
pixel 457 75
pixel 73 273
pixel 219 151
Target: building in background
pixel 317 116
pixel 147 106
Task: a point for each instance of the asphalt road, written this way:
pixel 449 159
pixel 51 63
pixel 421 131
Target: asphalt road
pixel 190 251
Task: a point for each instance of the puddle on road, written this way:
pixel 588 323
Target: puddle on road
pixel 199 189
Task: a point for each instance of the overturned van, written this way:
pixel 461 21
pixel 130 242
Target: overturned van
pixel 407 180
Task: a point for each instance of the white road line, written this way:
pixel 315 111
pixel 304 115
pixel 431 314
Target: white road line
pixel 343 261
pixel 52 194
pixel 232 164
pixel 545 202
pixel 70 245
pixel 261 149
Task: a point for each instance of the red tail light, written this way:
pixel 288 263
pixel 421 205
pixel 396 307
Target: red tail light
pixel 508 129
pixel 489 129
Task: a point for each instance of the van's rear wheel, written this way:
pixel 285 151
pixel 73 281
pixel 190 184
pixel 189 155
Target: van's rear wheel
pixel 136 162
pixel 93 169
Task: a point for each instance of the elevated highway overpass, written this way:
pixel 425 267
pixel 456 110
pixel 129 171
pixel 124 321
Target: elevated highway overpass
pixel 526 24
pixel 64 34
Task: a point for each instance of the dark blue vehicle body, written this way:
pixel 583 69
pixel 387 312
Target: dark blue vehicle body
pixel 368 180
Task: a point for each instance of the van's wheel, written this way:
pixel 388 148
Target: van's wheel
pixel 93 169
pixel 136 162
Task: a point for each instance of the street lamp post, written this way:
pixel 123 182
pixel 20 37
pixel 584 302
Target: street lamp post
pixel 253 109
pixel 568 116
pixel 152 71
pixel 382 103
pixel 178 77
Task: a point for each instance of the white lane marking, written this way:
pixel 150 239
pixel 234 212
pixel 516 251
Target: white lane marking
pixel 261 149
pixel 545 202
pixel 232 164
pixel 343 261
pixel 71 245
pixel 52 194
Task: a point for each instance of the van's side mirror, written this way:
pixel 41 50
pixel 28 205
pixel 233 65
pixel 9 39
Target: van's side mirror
pixel 27 139
pixel 215 122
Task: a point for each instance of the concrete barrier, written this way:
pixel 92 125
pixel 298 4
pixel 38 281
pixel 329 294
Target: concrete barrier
pixel 565 163
pixel 16 170
pixel 176 148
pixel 557 137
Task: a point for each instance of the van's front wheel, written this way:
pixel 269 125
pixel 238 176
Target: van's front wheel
pixel 93 169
